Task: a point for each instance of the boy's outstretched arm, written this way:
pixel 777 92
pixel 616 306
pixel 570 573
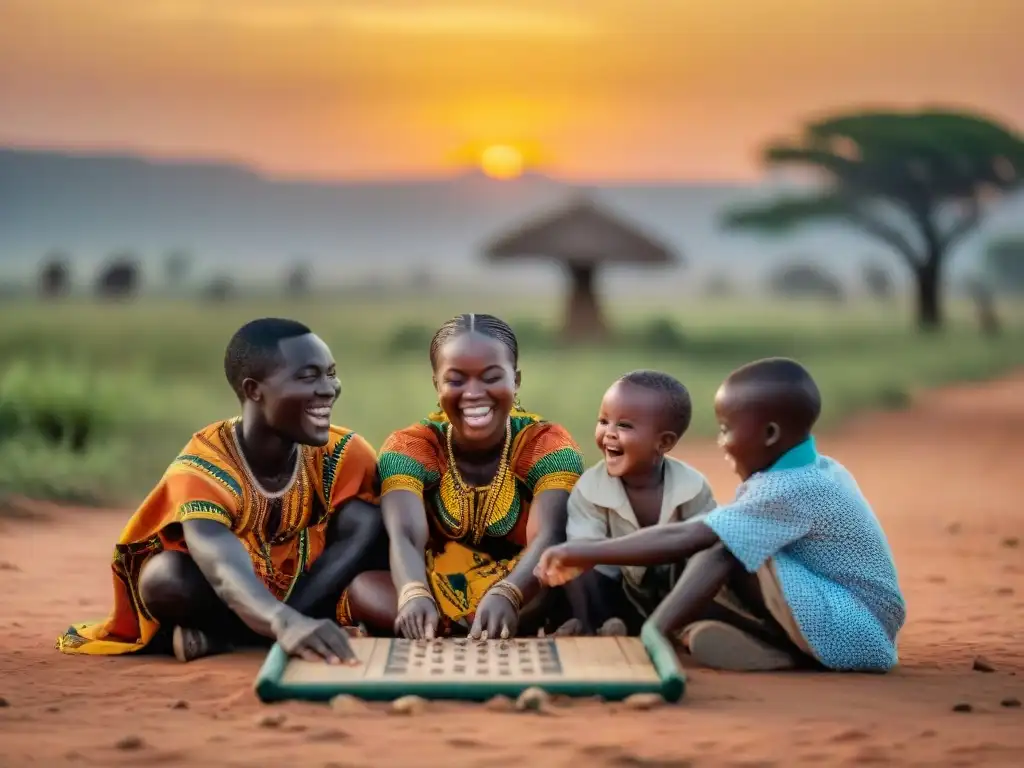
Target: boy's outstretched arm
pixel 658 545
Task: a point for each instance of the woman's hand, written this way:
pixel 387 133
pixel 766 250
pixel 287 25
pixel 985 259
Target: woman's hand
pixel 558 565
pixel 495 618
pixel 418 619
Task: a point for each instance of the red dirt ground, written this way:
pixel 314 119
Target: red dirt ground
pixel 946 478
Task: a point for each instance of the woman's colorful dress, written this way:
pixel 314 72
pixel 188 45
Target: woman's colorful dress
pixel 209 480
pixel 477 534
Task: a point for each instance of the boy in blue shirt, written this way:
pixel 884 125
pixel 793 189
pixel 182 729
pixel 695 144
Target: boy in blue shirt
pixel 800 544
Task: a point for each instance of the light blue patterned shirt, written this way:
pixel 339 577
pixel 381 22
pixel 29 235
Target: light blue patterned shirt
pixel 808 516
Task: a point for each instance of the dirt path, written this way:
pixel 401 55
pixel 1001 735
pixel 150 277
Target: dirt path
pixel 946 478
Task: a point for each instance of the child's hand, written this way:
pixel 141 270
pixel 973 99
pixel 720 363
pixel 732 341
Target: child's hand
pixel 555 567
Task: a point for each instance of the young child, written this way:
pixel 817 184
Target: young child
pixel 637 485
pixel 799 525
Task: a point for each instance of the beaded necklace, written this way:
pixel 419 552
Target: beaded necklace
pixel 455 492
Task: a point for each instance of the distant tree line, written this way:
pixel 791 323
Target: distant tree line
pixel 121 277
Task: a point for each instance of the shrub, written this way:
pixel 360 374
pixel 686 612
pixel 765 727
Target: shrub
pixel 65 431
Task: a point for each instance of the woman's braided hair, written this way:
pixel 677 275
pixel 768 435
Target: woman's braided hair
pixel 471 322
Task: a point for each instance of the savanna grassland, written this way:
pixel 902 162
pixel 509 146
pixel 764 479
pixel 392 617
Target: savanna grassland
pixel 96 398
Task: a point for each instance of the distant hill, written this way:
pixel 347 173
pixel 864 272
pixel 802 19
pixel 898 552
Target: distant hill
pixel 233 219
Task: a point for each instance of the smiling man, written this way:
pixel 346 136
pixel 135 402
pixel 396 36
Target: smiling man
pixel 258 526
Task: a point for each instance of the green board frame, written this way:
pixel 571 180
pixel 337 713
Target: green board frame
pixel 671 683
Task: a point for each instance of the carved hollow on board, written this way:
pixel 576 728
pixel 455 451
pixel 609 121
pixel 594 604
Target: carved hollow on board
pixel 610 667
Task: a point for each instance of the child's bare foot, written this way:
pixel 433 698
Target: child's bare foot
pixel 571 628
pixel 613 628
pixel 718 645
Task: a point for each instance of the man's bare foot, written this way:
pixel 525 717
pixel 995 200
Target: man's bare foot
pixel 571 628
pixel 613 628
pixel 191 644
pixel 358 631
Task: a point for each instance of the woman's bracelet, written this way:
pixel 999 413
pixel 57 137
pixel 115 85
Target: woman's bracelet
pixel 510 592
pixel 414 590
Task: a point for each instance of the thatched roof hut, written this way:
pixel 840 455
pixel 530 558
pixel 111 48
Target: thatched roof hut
pixel 582 237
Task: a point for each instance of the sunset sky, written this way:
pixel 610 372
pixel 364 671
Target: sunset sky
pixel 586 89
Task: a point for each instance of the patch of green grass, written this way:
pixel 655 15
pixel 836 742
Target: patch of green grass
pixel 95 400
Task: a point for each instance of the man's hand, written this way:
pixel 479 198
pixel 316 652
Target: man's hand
pixel 312 639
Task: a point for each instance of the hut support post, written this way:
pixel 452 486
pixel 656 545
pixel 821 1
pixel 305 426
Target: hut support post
pixel 584 320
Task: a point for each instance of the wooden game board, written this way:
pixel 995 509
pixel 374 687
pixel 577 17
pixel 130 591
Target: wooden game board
pixel 465 669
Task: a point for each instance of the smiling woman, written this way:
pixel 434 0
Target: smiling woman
pixel 470 496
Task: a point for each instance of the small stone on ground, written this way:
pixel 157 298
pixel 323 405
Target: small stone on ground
pixel 130 743
pixel 409 705
pixel 643 701
pixel 348 705
pixel 271 720
pixel 533 700
pixel 981 664
pixel 500 704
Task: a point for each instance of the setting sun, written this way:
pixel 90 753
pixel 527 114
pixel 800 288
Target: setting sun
pixel 501 162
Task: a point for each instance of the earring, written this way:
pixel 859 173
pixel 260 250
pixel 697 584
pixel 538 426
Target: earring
pixel 515 402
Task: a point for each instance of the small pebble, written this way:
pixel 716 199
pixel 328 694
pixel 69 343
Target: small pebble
pixel 500 704
pixel 533 700
pixel 130 743
pixel 408 705
pixel 179 704
pixel 981 664
pixel 346 704
pixel 643 701
pixel 1010 703
pixel 330 734
pixel 963 706
pixel 271 720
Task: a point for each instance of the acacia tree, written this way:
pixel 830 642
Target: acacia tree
pixel 917 181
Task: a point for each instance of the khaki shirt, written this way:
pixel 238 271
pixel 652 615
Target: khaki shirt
pixel 599 508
